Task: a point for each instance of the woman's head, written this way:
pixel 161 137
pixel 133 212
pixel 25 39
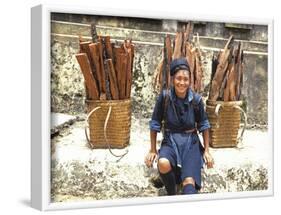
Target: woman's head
pixel 179 70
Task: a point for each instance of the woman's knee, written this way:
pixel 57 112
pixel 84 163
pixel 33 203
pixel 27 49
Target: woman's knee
pixel 164 165
pixel 188 180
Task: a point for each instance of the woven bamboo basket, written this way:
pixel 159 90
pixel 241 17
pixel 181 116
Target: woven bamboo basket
pixel 225 119
pixel 109 123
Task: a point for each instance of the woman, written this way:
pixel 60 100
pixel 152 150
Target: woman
pixel 180 157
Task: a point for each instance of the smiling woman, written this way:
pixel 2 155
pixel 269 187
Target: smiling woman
pixel 181 155
pixel 181 83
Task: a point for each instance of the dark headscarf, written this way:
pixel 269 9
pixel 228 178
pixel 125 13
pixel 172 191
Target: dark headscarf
pixel 178 64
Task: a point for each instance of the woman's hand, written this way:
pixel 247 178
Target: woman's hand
pixel 149 158
pixel 208 159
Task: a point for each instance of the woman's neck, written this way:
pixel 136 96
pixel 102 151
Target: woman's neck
pixel 181 95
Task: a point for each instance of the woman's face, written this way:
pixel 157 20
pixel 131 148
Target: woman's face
pixel 181 82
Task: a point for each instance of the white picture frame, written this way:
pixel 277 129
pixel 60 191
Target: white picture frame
pixel 40 108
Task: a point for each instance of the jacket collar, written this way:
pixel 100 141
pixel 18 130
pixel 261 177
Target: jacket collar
pixel 188 97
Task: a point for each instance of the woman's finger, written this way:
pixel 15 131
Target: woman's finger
pixel 205 159
pixel 210 163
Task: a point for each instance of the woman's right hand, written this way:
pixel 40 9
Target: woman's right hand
pixel 149 158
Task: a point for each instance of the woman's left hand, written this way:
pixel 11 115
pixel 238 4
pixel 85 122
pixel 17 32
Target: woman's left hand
pixel 208 159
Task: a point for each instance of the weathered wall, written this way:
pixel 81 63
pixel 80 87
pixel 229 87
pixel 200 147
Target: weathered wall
pixel 67 81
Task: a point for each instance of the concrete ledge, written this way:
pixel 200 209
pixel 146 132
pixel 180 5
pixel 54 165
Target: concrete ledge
pixel 81 173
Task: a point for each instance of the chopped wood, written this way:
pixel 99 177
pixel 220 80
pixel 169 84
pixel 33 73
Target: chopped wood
pixel 129 50
pixel 157 78
pixel 169 53
pixel 101 62
pixel 94 33
pixel 225 80
pixel 226 92
pixel 230 88
pixel 108 47
pixel 123 67
pixel 95 55
pixel 198 73
pixel 188 29
pixel 177 47
pixel 84 47
pixel 88 75
pixel 241 69
pixel 112 79
pixel 118 51
pixel 183 47
pixel 238 68
pixel 220 71
pixel 111 66
pixel 191 61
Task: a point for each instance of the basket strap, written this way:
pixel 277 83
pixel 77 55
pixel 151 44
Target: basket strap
pixel 217 109
pixel 240 139
pixel 106 140
pixel 87 126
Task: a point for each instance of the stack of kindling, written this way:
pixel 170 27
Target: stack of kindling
pixel 227 73
pixel 182 47
pixel 107 68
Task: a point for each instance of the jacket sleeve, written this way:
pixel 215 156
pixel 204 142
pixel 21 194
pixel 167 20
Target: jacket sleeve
pixel 157 115
pixel 202 118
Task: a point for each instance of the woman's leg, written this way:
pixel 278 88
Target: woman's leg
pixel 167 175
pixel 189 186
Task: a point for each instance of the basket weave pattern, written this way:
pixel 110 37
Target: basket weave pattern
pixel 118 126
pixel 225 124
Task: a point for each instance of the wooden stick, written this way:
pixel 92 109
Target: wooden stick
pixel 112 79
pixel 100 49
pixel 169 53
pixel 123 68
pixel 220 71
pixel 95 55
pixel 226 89
pixel 94 33
pixel 191 61
pixel 88 75
pixel 238 65
pixel 177 46
pixel 241 75
pixel 117 52
pixel 128 74
pixel 108 47
pixel 198 73
pixel 225 82
pixel 187 32
pixel 229 93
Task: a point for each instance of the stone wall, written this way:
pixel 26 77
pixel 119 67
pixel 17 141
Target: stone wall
pixel 67 89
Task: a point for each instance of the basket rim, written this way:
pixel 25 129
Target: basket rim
pixel 107 101
pixel 224 103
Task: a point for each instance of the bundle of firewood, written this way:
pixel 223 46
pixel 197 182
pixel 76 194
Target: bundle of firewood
pixel 182 47
pixel 106 67
pixel 227 73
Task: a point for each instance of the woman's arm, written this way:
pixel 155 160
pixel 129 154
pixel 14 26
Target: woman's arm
pixel 152 154
pixel 153 137
pixel 206 139
pixel 155 126
pixel 207 156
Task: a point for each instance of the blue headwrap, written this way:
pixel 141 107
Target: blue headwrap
pixel 178 64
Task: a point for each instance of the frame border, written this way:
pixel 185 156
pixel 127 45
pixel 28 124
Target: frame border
pixel 40 106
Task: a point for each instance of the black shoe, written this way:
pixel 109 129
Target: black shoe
pixel 157 181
